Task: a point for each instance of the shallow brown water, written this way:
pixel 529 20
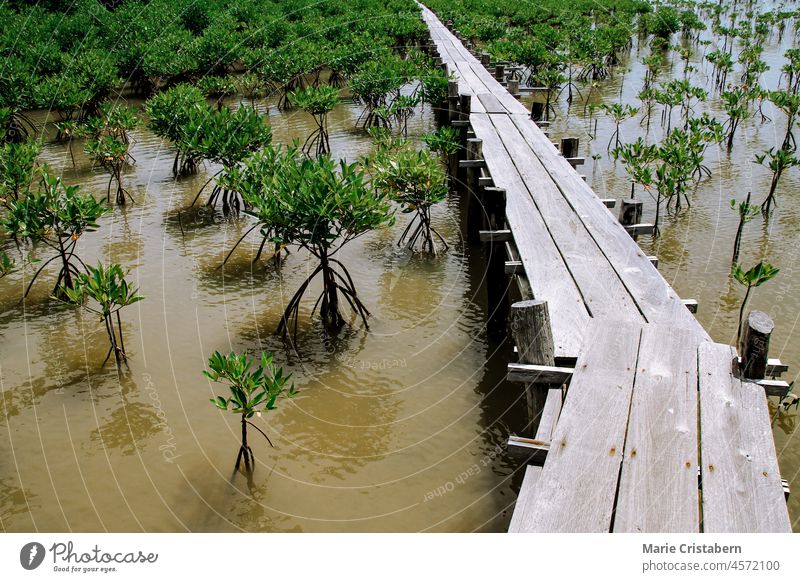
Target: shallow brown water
pixel 695 246
pixel 399 428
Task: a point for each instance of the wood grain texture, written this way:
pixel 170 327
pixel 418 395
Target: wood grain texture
pixel 599 283
pixel 657 301
pixel 546 271
pixel 526 493
pixel 741 482
pixel 576 490
pixel 658 489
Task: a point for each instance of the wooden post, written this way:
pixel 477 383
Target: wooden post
pixel 485 59
pixel 755 345
pixel 500 72
pixel 497 282
pixel 513 87
pixel 537 111
pixel 569 147
pixel 630 211
pixel 449 25
pixel 530 328
pixel 452 99
pixel 474 199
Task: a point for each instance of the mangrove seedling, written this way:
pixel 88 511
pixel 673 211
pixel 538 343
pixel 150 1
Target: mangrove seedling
pixel 17 169
pixel 415 180
pixel 619 113
pixel 253 391
pixel 225 137
pixel 777 161
pixel 746 213
pixel 374 85
pixel 755 277
pixel 109 289
pixel 789 103
pixel 109 145
pixel 55 215
pixel 736 104
pixel 320 207
pixel 403 109
pixel 318 101
pixel 169 114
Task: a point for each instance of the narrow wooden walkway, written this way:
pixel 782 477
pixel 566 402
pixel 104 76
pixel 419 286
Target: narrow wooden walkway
pixel 655 433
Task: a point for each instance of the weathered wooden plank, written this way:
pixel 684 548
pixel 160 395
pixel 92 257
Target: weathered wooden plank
pixel 582 468
pixel 538 374
pixel 741 482
pixel 526 492
pixel 655 298
pixel 599 284
pixel 547 274
pixel 658 485
pixel 491 104
pixel 550 414
pixel 509 102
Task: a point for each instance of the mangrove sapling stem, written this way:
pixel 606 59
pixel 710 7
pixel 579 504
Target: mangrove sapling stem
pixel 741 314
pixel 196 198
pixel 249 230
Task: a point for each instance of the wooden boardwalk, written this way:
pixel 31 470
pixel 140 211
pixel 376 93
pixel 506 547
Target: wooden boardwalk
pixel 656 433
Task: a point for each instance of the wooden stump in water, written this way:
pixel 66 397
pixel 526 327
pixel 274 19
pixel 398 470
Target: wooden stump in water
pixel 755 344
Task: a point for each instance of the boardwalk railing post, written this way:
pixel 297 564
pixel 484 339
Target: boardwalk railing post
pixel 474 197
pixel 537 111
pixel 500 72
pixel 513 87
pixel 569 147
pixel 485 59
pixel 497 282
pixel 452 99
pixel 630 212
pixel 530 328
pixel 755 345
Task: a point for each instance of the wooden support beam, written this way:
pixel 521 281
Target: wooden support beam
pixel 775 367
pixel 514 268
pixel 495 235
pixel 653 260
pixel 576 161
pixel 485 181
pixel 637 229
pixel 471 163
pixel 773 387
pixel 786 489
pixel 691 304
pixel 534 451
pixel 609 202
pixel 460 123
pixel 538 374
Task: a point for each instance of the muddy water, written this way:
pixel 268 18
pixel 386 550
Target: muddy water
pixel 695 246
pixel 399 428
